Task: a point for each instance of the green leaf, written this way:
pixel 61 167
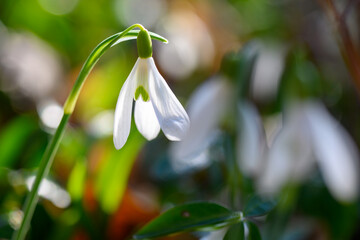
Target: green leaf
pixel 132 35
pixel 13 139
pixel 76 181
pixel 113 177
pixel 239 67
pixel 188 217
pixel 259 206
pixel 154 36
pixel 236 232
pixel 254 233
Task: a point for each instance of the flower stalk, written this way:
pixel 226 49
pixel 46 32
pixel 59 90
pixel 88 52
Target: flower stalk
pixel 46 161
pixel 348 50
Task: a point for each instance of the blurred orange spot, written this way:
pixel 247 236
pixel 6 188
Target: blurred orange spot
pixel 80 235
pixel 132 213
pixel 89 200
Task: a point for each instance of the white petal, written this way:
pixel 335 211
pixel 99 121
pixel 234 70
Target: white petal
pixel 206 107
pixel 251 145
pixel 172 117
pixel 299 143
pixel 146 120
pixel 278 166
pixel 289 158
pixel 336 153
pixel 122 121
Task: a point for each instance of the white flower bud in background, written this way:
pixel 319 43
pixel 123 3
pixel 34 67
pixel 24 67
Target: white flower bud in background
pixel 251 142
pixel 311 135
pixel 335 152
pixel 29 68
pixel 207 106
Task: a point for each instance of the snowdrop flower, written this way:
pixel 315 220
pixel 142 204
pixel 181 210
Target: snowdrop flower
pixel 251 142
pixel 312 136
pixel 206 107
pixel 335 152
pixel 156 105
pixel 289 157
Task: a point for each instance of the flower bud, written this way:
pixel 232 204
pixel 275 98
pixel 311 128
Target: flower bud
pixel 144 44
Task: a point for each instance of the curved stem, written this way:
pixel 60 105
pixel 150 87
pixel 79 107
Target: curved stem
pixel 92 60
pixel 46 161
pixel 138 26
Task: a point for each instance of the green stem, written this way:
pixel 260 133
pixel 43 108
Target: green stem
pixel 46 162
pixel 94 57
pixel 44 168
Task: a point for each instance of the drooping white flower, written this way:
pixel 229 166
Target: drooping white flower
pixel 251 142
pixel 290 157
pixel 156 106
pixel 206 107
pixel 336 153
pixel 312 136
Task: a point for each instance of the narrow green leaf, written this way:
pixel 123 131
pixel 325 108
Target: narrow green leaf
pixel 236 232
pixel 247 59
pixel 152 35
pixel 112 180
pixel 254 233
pixel 188 217
pixel 239 67
pixel 13 138
pixel 76 181
pixel 259 206
pixel 132 35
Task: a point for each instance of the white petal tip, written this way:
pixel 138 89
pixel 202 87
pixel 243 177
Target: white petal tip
pixel 145 119
pixel 149 138
pixel 118 145
pixel 176 129
pixel 171 115
pixel 120 139
pixel 174 139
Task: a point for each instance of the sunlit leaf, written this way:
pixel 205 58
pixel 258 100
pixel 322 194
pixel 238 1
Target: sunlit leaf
pixel 113 176
pixel 258 206
pixel 236 232
pixel 188 217
pixel 76 181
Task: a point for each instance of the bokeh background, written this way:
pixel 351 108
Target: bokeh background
pixel 250 74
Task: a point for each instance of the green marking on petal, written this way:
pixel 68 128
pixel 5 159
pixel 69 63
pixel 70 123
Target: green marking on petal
pixel 144 94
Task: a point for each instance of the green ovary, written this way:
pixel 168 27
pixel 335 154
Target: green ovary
pixel 144 94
